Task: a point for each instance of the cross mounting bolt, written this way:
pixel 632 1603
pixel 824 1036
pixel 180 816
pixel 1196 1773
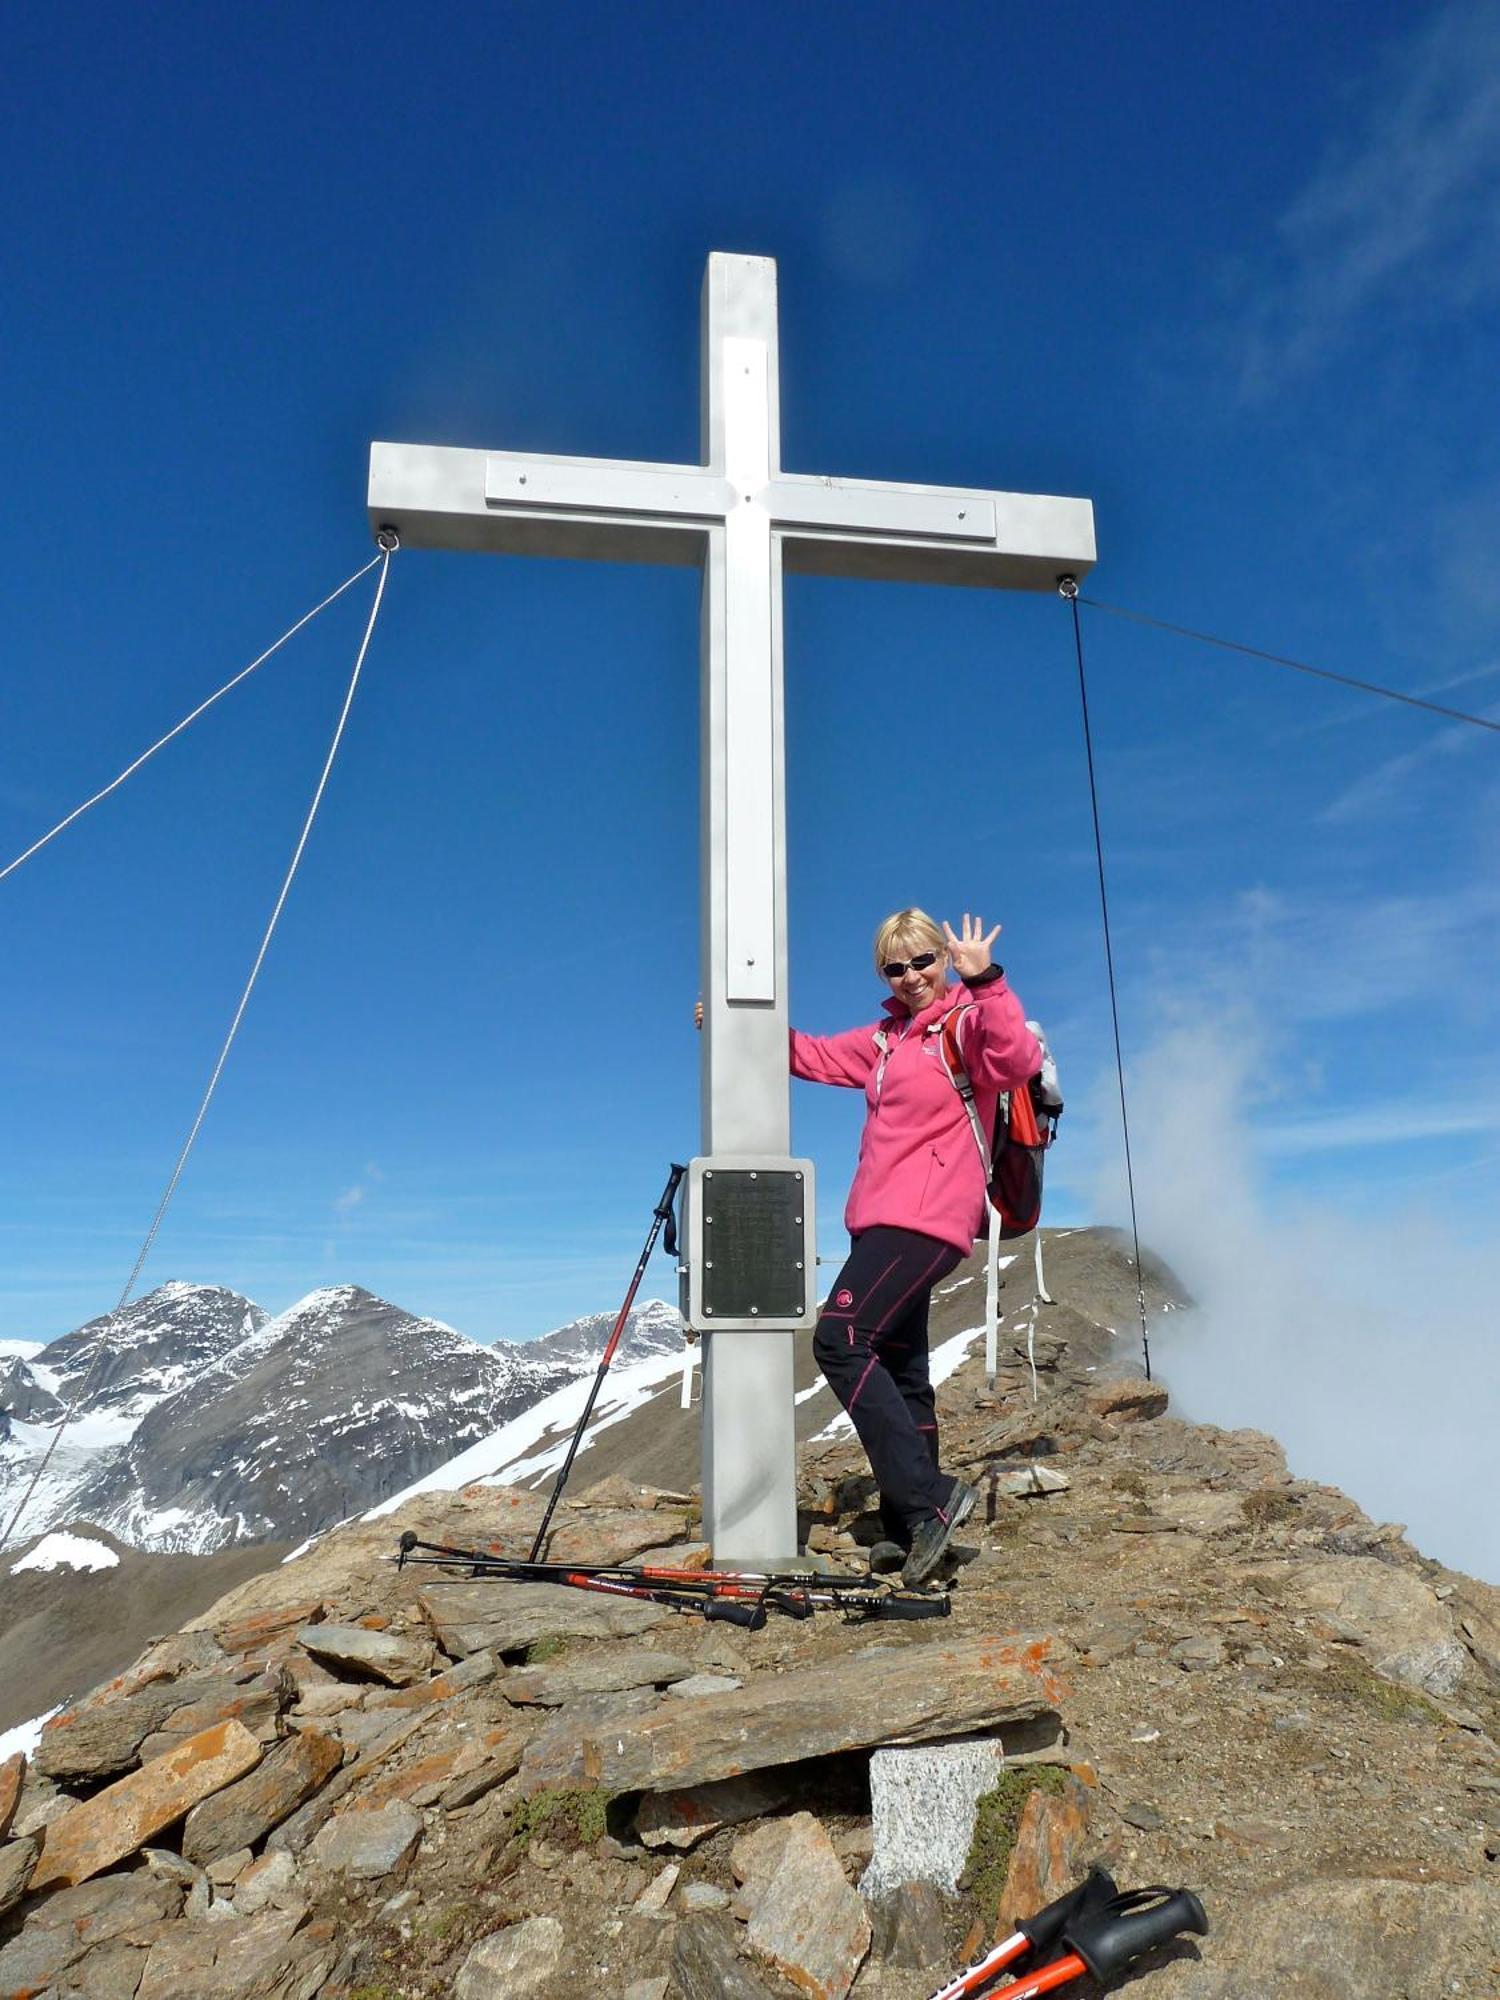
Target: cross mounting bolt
pixel 386 538
pixel 1067 586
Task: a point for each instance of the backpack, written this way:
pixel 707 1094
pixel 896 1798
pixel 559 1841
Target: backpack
pixel 1025 1126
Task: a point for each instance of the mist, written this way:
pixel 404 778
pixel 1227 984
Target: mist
pixel 1368 1352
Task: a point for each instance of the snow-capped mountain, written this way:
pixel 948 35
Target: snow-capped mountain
pixel 654 1327
pixel 206 1423
pixel 130 1359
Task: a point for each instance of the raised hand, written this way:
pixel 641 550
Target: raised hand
pixel 971 952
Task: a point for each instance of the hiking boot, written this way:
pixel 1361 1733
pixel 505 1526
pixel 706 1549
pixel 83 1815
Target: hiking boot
pixel 930 1539
pixel 886 1557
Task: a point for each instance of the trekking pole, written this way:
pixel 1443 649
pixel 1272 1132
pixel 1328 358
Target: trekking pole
pixel 661 1218
pixel 1033 1936
pixel 793 1594
pixel 1101 1933
pixel 1104 1941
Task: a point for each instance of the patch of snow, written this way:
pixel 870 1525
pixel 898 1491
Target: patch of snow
pixel 26 1735
pixel 65 1551
pixel 509 1456
pixel 10 1349
pixel 300 1550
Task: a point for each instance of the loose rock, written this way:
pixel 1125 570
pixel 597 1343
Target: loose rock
pixel 706 1962
pixel 17 1859
pixel 681 1819
pixel 243 1814
pixel 809 1923
pixel 12 1778
pixel 368 1844
pixel 115 1822
pixel 519 1963
pixel 1049 1856
pixel 380 1656
pixel 1129 1401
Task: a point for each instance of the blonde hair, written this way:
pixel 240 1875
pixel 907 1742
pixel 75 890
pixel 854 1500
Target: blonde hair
pixel 905 933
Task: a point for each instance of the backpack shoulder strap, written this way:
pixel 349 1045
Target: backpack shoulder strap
pixel 953 1062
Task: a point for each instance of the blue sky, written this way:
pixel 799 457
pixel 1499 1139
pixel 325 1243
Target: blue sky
pixel 1232 275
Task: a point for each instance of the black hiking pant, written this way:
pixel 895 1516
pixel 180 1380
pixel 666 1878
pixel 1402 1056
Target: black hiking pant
pixel 871 1344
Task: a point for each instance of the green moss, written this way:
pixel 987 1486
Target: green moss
pixel 1348 1676
pixel 997 1815
pixel 445 1923
pixel 549 1647
pixel 577 1814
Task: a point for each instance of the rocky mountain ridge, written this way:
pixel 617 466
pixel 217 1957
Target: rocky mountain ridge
pixel 1163 1653
pixel 205 1422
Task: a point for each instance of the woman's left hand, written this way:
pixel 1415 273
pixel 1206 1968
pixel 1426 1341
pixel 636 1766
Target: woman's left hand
pixel 971 952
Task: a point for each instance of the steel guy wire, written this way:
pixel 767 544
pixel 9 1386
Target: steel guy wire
pixel 202 709
pixel 1068 586
pixel 384 559
pixel 1297 666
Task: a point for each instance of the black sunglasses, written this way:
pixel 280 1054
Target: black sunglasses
pixel 896 968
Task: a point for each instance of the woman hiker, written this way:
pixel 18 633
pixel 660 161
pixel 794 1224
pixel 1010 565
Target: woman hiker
pixel 916 1205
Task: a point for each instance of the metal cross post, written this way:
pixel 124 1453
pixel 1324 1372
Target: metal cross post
pixel 742 520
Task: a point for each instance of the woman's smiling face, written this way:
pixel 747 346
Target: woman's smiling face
pixel 914 982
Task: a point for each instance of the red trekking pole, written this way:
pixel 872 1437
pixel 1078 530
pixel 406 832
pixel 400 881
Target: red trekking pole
pixel 1101 1932
pixel 661 1218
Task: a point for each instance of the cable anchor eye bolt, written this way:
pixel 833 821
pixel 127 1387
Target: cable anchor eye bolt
pixel 386 538
pixel 1067 586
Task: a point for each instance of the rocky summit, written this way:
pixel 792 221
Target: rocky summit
pixel 1163 1653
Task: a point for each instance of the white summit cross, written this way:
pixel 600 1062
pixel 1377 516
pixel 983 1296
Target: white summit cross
pixel 739 517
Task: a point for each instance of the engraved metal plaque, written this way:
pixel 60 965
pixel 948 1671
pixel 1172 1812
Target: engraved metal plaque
pixel 751 1244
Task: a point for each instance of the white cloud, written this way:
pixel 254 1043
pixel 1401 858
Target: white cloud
pixel 1390 1123
pixel 350 1199
pixel 1367 1350
pixel 1391 781
pixel 1401 216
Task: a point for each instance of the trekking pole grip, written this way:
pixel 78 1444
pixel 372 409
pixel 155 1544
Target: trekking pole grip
pixel 1108 1939
pixel 1044 1930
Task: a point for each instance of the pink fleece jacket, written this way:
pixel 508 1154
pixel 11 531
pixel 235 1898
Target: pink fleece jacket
pixel 919 1167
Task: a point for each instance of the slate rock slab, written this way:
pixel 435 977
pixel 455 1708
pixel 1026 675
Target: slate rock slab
pixel 251 1958
pixel 911 1926
pixel 808 1923
pixel 59 1931
pixel 100 1831
pixel 368 1843
pixel 613 1536
pixel 97 1739
pixel 519 1963
pixel 12 1778
pixel 706 1962
pixel 244 1813
pixel 878 1695
pixel 603 1672
pixel 508 1617
pixel 681 1819
pixel 259 1629
pixel 1049 1856
pixel 1132 1400
pixel 380 1656
pixel 17 1859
